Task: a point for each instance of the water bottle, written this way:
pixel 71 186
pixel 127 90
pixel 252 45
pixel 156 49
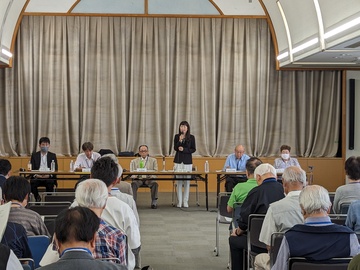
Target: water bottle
pixel 29 166
pixel 206 166
pixel 53 166
pixel 71 166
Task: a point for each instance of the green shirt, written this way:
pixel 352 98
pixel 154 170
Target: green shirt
pixel 240 192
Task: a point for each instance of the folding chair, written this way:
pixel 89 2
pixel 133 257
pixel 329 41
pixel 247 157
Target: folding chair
pixel 344 208
pixel 300 263
pixel 255 222
pixel 223 216
pixel 38 245
pixel 276 239
pixel 338 218
pixel 48 209
pixel 27 263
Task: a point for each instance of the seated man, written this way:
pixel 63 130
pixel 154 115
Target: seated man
pixel 283 214
pixel 353 216
pixel 8 260
pixel 110 241
pixel 5 171
pixel 241 190
pixel 144 161
pixel 86 160
pixel 237 161
pixel 118 213
pixel 16 191
pixel 256 202
pixel 75 231
pixel 41 160
pixel 318 239
pixel 351 191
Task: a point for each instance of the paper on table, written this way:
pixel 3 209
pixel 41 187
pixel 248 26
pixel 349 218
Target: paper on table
pixel 4 215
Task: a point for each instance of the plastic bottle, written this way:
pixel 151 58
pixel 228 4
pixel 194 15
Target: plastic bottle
pixel 206 166
pixel 53 166
pixel 71 166
pixel 141 164
pixel 29 166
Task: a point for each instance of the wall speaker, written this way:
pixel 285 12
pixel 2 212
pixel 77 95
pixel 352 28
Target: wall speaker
pixel 351 113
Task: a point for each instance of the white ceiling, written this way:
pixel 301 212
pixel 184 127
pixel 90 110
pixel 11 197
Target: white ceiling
pixel 340 53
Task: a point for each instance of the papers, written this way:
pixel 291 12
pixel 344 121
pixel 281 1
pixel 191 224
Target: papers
pixel 230 170
pixel 4 215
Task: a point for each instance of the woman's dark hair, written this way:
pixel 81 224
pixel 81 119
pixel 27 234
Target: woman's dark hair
pixel 16 188
pixel 76 224
pixel 352 168
pixel 285 147
pixel 185 123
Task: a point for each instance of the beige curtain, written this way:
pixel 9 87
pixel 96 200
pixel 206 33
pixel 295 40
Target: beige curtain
pixel 121 82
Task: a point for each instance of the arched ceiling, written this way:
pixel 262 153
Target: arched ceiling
pixel 300 28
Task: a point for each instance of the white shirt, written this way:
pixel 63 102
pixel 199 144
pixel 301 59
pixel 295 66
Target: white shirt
pixel 128 199
pixel 84 162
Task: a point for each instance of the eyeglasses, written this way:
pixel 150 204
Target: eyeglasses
pixel 143 151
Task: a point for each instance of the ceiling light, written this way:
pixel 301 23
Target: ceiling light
pixel 6 52
pixel 342 28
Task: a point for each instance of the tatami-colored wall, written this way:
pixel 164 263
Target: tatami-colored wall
pixel 328 172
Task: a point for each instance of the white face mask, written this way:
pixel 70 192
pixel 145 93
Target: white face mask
pixel 285 156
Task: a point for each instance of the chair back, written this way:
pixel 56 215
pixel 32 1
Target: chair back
pixel 48 209
pixel 300 263
pixel 38 245
pixel 276 239
pixel 255 222
pixel 27 263
pixel 222 208
pixel 59 198
pixel 344 208
pixel 338 219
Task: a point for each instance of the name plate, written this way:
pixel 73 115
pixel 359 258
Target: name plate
pixel 141 170
pixel 230 170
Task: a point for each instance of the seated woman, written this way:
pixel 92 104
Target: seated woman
pixel 351 191
pixel 285 159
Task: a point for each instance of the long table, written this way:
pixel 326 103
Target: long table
pixel 170 176
pixel 160 175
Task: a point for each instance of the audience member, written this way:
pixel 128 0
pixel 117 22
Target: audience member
pixel 41 160
pixel 86 160
pixel 123 186
pixel 110 241
pixel 285 159
pixel 283 214
pixel 16 239
pixel 150 163
pixel 351 191
pixel 318 239
pixel 237 161
pixel 241 190
pixel 353 216
pixel 75 236
pixel 5 171
pixel 118 213
pixel 8 260
pixel 16 191
pixel 184 146
pixel 256 202
pixel 354 263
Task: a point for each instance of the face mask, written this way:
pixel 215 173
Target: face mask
pixel 285 156
pixel 44 149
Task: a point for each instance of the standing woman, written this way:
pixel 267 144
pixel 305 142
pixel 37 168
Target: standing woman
pixel 184 145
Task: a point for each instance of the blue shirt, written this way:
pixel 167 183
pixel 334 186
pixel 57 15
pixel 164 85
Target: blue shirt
pixel 235 163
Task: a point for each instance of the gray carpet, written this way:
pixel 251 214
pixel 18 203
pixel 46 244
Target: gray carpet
pixel 174 238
